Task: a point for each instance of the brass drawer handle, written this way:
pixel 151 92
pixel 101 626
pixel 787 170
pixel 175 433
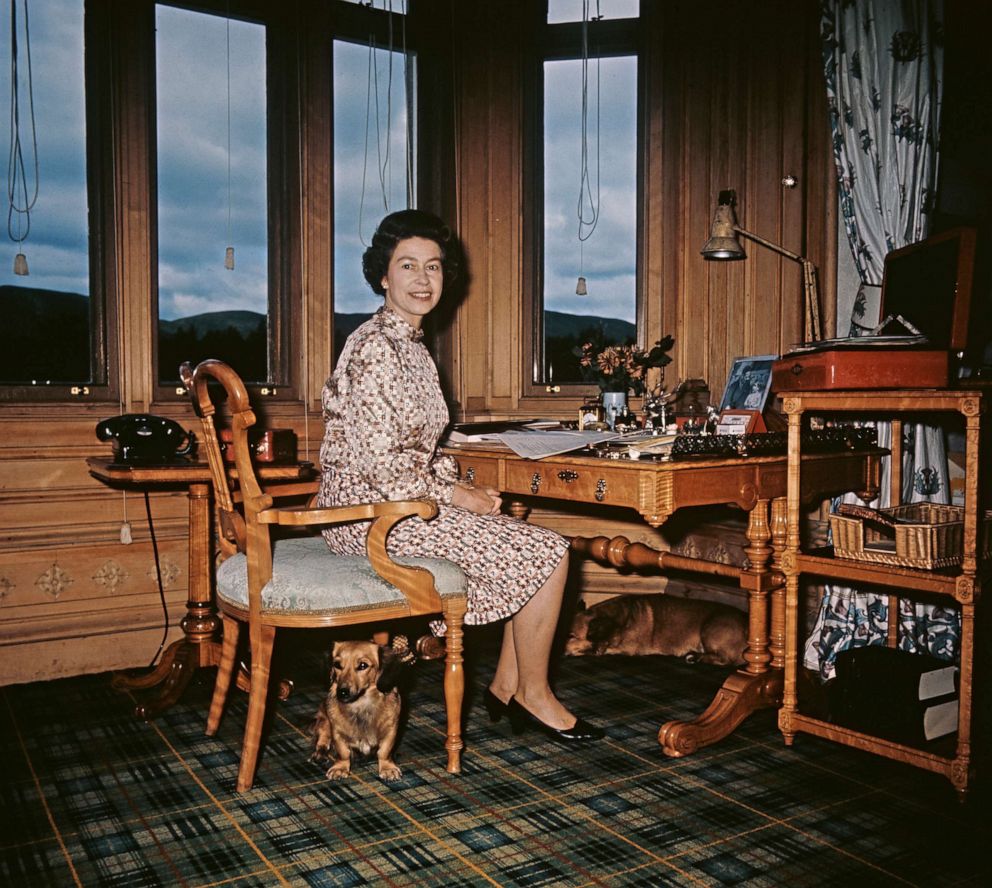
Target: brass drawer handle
pixel 470 474
pixel 567 475
pixel 600 490
pixel 535 482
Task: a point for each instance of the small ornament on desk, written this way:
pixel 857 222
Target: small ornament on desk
pixel 712 420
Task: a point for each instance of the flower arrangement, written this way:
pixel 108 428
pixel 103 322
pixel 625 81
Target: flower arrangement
pixel 622 368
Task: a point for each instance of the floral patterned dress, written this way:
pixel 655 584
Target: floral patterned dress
pixel 384 414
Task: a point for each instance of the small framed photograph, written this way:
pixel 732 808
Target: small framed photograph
pixel 748 384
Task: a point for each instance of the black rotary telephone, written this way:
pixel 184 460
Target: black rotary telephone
pixel 144 438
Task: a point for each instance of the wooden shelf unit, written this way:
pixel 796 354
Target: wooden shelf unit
pixel 962 583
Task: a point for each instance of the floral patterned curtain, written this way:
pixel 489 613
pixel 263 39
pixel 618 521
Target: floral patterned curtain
pixel 883 61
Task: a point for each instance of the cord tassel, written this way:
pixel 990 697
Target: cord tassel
pixel 229 259
pixel 21 264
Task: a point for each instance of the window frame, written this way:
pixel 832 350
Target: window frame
pixel 300 90
pixel 563 41
pixel 283 174
pixel 103 385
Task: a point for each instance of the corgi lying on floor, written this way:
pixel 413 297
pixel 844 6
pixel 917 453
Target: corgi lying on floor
pixel 698 631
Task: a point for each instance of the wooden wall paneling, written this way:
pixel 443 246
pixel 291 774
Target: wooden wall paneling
pixel 316 212
pixel 133 151
pixel 795 138
pixel 659 263
pixel 472 91
pixel 700 327
pixel 505 235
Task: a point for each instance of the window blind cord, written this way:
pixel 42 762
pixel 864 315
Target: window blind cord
pixel 372 89
pixel 229 252
pixel 587 223
pixel 384 170
pixel 17 182
pixel 302 154
pixel 158 576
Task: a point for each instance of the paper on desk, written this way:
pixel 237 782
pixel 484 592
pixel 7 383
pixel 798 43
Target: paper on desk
pixel 536 445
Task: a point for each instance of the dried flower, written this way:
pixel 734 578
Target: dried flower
pixel 622 368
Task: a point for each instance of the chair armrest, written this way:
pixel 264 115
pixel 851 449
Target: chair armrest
pixel 304 516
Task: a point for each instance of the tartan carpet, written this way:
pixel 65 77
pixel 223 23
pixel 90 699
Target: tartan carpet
pixel 91 796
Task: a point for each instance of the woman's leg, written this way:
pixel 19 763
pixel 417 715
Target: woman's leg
pixel 522 669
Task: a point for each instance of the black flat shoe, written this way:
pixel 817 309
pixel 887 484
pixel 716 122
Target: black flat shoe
pixel 521 718
pixel 494 706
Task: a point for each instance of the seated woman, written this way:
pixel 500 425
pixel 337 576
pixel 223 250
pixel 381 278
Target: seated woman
pixel 384 414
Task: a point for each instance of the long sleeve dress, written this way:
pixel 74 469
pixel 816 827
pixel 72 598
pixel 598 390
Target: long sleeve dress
pixel 384 413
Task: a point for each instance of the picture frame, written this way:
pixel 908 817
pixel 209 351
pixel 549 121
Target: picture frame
pixel 748 383
pixel 740 422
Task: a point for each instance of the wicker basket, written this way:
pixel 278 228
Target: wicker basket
pixel 931 537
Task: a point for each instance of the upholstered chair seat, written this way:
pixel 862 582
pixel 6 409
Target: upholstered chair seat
pixel 307 578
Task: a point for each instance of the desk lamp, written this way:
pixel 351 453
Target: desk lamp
pixel 723 244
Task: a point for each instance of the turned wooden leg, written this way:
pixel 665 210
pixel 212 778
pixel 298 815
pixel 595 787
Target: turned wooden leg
pixel 776 636
pixel 758 553
pixel 454 684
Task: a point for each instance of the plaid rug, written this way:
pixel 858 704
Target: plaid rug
pixel 91 796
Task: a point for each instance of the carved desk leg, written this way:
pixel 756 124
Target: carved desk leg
pixel 752 687
pixel 199 646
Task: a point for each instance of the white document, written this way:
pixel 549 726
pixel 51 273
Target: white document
pixel 536 445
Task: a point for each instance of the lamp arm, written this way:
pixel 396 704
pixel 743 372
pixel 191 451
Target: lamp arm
pixel 782 250
pixel 810 287
pixel 813 331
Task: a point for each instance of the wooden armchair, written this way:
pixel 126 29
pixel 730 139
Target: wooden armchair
pixel 298 582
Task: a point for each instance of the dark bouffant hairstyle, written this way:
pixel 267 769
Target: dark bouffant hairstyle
pixel 400 226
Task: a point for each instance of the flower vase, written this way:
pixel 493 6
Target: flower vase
pixel 613 403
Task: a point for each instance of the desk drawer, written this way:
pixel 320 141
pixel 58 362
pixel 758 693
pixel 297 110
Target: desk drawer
pixel 589 484
pixel 480 471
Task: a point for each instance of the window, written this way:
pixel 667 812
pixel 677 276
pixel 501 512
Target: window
pixel 571 10
pixel 373 166
pixel 214 297
pixel 586 245
pixel 57 340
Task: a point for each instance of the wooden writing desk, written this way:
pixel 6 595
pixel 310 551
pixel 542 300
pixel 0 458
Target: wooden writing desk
pixel 200 645
pixel 656 490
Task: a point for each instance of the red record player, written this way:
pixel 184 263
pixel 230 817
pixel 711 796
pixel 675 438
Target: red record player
pixel 926 287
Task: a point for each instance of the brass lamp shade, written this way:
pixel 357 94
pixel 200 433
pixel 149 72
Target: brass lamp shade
pixel 723 242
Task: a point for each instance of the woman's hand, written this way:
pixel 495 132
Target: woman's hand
pixel 481 500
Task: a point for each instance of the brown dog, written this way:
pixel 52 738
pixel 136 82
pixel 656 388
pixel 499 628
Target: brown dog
pixel 362 709
pixel 703 631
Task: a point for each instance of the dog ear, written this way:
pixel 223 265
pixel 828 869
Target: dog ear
pixel 391 667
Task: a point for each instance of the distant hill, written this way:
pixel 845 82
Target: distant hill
pixel 569 326
pixel 31 308
pixel 244 322
pixel 51 332
pixel 51 336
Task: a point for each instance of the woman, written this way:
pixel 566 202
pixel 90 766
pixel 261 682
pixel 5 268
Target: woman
pixel 385 413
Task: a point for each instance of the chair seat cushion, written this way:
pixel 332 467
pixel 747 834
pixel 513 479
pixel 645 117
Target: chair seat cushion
pixel 307 577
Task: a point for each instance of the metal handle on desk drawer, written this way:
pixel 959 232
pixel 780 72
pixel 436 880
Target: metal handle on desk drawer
pixel 567 475
pixel 600 490
pixel 470 475
pixel 535 482
pixel 797 369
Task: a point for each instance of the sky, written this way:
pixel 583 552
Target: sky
pixel 200 214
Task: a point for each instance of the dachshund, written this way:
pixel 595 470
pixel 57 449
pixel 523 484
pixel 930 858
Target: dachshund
pixel 361 711
pixel 696 630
